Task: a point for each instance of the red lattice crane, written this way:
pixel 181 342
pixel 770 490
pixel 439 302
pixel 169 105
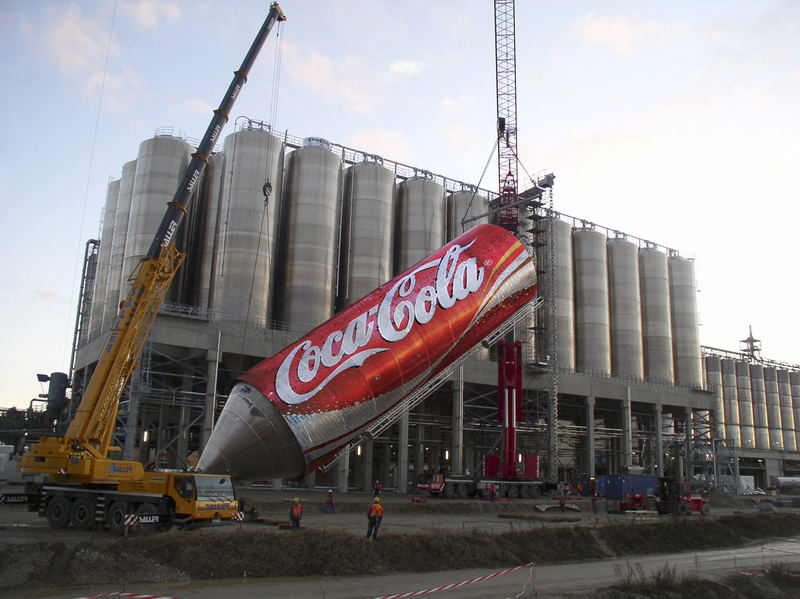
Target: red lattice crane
pixel 509 358
pixel 506 70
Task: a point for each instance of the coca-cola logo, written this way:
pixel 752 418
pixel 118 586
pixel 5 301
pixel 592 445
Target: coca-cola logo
pixel 405 305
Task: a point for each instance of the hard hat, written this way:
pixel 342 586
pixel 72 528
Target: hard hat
pixel 296 499
pixel 377 500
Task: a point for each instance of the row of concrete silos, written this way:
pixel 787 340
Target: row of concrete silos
pixel 621 309
pixel 326 236
pixel 756 406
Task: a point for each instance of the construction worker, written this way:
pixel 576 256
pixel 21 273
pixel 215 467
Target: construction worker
pixel 374 516
pixel 376 490
pixel 295 512
pixel 562 500
pixel 330 503
pixel 594 507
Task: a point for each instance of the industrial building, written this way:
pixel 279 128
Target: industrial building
pixel 287 231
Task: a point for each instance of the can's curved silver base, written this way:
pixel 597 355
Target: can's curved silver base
pixel 252 440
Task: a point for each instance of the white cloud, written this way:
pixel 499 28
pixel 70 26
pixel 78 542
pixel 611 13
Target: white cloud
pixel 198 106
pixel 625 35
pixel 149 13
pixel 391 144
pixel 76 43
pixel 407 67
pixel 354 82
pixel 459 104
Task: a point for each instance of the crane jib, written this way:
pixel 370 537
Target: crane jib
pixel 177 207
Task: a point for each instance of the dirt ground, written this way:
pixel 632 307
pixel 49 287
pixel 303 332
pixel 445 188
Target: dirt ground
pixel 417 535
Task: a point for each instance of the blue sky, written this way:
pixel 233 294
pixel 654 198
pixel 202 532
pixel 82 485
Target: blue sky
pixel 672 121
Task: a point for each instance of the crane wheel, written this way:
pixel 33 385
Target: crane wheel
pixel 462 491
pixel 116 517
pixel 82 513
pixel 525 492
pixel 449 491
pixel 536 491
pixel 705 509
pixel 512 492
pixel 681 509
pixel 58 510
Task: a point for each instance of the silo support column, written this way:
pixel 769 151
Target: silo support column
pixel 212 369
pixel 419 457
pixel 183 436
pixel 457 448
pixel 627 442
pixel 689 445
pixel 590 436
pixel 366 476
pixel 402 455
pixel 344 470
pixel 659 448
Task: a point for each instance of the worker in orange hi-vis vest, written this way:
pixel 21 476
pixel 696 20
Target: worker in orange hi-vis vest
pixel 295 513
pixel 374 515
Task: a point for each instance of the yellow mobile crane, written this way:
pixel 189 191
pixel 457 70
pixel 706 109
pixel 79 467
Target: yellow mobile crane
pixel 84 486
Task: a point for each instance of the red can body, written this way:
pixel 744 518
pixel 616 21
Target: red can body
pixel 329 385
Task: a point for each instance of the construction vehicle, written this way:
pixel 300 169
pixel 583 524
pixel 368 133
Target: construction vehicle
pixel 513 475
pixel 525 484
pixel 627 492
pixel 674 496
pixel 87 483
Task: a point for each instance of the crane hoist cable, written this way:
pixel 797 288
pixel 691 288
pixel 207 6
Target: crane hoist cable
pixel 477 187
pixel 98 112
pixel 268 187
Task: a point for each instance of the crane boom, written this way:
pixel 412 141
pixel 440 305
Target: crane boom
pixel 89 433
pixel 506 72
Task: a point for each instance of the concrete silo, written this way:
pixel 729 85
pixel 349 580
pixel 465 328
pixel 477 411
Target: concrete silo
pixel 759 398
pixel 559 275
pixel 730 400
pixel 419 221
pixel 367 230
pixel 787 414
pixel 592 333
pixel 656 320
pixel 627 358
pixel 160 165
pixel 211 220
pixel 115 276
pixel 773 409
pixel 246 226
pixel 685 332
pixel 462 205
pixel 744 394
pixel 104 258
pixel 308 247
pixel 714 384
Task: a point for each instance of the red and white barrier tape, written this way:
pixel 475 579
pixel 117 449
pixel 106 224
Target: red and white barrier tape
pixel 464 583
pixel 767 567
pixel 126 595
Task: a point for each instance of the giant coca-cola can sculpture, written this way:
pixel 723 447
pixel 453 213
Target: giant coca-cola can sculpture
pixel 291 412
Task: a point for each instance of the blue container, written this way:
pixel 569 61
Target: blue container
pixel 619 485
